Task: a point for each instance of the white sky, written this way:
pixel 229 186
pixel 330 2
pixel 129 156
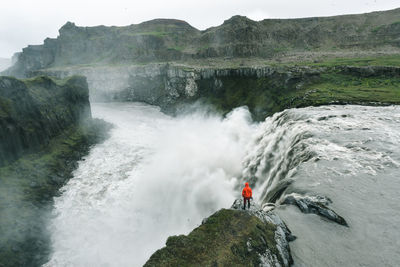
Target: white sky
pixel 24 22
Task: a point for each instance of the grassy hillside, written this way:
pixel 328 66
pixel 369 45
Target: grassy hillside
pixel 366 81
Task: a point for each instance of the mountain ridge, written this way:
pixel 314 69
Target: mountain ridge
pixel 171 40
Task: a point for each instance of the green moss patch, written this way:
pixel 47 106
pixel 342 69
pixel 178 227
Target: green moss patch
pixel 227 238
pixel 289 87
pixel 335 88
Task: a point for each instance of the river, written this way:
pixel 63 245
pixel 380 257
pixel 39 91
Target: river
pixel 158 176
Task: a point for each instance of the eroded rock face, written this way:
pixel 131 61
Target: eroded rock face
pixel 282 234
pixel 230 237
pixel 157 84
pixel 168 85
pixel 35 110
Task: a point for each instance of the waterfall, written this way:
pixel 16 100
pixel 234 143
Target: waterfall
pixel 158 176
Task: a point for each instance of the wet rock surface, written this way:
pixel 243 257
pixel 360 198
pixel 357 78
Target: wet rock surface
pixel 316 205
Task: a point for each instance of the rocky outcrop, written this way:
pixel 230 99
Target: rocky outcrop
pixel 35 110
pixel 316 205
pixel 230 237
pixel 156 84
pixel 168 85
pixel 264 89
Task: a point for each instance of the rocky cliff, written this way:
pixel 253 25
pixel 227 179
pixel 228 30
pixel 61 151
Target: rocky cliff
pixel 163 40
pixel 35 110
pixel 268 65
pixel 264 89
pixel 45 128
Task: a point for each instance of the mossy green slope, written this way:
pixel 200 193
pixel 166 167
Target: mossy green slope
pixel 227 238
pixel 300 86
pixel 45 128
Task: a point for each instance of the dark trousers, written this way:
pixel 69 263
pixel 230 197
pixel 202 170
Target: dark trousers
pixel 244 202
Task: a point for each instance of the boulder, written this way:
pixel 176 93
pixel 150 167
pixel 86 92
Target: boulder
pixel 314 204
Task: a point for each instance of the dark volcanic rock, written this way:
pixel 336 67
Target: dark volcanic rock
pixel 316 204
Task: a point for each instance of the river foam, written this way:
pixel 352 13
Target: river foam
pixel 159 176
pixel 156 176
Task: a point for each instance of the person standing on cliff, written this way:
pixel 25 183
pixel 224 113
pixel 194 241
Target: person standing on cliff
pixel 247 194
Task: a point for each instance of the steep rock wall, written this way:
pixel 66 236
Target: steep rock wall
pixel 264 90
pixel 35 110
pixel 169 86
pixel 156 84
pixel 45 129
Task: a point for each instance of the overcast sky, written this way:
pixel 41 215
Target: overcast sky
pixel 24 22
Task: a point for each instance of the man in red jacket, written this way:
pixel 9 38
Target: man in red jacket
pixel 247 194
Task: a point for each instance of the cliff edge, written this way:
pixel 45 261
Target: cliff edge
pixel 230 237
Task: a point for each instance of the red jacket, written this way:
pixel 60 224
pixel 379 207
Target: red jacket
pixel 246 192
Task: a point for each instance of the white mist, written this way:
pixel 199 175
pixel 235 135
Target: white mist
pixel 156 176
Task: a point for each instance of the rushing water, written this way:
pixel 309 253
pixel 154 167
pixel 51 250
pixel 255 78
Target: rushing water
pixel 356 160
pixel 158 176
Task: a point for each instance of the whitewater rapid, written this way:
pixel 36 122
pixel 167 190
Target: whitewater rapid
pixel 154 177
pixel 158 176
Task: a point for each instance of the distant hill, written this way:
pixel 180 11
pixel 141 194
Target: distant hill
pixel 164 40
pixel 4 63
